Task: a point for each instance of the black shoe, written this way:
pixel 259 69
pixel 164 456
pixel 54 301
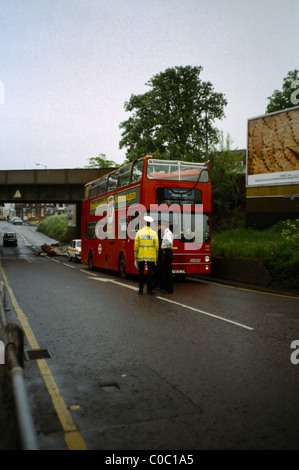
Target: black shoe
pixel 150 293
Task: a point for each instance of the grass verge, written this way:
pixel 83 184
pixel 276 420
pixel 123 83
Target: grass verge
pixel 277 248
pixel 55 227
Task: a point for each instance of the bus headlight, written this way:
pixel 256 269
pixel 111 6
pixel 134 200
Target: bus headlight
pixel 207 259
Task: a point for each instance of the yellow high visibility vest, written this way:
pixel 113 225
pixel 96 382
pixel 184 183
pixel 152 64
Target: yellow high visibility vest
pixel 146 245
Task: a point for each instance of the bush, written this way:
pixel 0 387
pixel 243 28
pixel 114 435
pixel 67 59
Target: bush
pixel 276 247
pixel 33 220
pixel 55 227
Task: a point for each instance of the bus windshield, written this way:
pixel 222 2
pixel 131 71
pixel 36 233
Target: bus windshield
pixel 185 227
pixel 177 171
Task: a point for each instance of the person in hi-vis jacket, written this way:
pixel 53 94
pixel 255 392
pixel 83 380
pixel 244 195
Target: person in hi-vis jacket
pixel 146 247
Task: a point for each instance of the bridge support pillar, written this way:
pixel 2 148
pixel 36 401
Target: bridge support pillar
pixel 74 221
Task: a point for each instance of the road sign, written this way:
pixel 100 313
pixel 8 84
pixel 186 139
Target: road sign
pixel 17 194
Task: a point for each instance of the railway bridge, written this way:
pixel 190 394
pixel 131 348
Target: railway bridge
pixel 63 186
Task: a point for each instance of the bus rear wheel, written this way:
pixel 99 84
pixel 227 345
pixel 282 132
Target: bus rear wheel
pixel 90 261
pixel 122 266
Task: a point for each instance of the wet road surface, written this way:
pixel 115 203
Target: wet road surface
pixel 205 368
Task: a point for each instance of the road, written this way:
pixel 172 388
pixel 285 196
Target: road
pixel 205 368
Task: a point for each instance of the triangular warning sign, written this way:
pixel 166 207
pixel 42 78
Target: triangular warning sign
pixel 18 194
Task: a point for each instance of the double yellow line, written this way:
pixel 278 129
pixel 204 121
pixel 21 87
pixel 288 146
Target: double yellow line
pixel 72 436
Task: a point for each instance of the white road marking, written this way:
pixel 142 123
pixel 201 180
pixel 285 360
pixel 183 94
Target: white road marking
pixel 177 303
pixel 68 265
pixel 113 282
pixel 206 313
pixel 85 271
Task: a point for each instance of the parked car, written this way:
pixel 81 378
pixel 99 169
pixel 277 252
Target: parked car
pixel 17 221
pixel 10 238
pixel 2 218
pixel 74 250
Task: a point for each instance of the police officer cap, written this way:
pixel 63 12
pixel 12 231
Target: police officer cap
pixel 148 218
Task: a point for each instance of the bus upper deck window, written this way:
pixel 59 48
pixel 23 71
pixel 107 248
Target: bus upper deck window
pixel 137 171
pixel 93 192
pixel 112 181
pixel 103 185
pixel 177 171
pixel 124 176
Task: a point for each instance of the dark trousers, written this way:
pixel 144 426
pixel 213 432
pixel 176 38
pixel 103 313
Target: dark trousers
pixel 150 272
pixel 157 270
pixel 166 282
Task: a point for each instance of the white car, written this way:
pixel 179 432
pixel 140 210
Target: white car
pixel 17 221
pixel 74 250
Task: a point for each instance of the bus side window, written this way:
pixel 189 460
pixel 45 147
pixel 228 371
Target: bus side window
pixel 112 181
pixel 90 230
pixel 102 185
pixel 137 171
pixel 124 176
pixel 134 224
pixel 93 190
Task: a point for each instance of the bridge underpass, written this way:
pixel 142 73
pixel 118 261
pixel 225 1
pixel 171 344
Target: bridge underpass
pixel 49 186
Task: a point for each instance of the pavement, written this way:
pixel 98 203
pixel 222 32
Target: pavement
pixel 246 274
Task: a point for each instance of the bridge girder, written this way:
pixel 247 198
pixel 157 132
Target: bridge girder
pixel 48 186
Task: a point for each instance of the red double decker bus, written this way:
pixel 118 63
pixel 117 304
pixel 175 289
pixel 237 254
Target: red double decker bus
pixel 113 208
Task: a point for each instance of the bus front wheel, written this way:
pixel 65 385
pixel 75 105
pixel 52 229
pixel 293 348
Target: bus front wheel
pixel 90 261
pixel 122 266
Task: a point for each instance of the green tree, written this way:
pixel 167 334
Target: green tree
pixel 285 98
pixel 228 183
pixel 175 118
pixel 101 162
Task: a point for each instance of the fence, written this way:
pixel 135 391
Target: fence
pixel 16 428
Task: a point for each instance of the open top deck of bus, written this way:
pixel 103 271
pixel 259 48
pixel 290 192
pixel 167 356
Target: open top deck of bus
pixel 155 169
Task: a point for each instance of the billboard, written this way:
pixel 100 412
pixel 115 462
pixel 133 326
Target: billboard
pixel 273 149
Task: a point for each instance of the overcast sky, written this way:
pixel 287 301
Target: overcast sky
pixel 68 66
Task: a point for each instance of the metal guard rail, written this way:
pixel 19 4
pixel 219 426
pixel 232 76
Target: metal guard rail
pixel 13 338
